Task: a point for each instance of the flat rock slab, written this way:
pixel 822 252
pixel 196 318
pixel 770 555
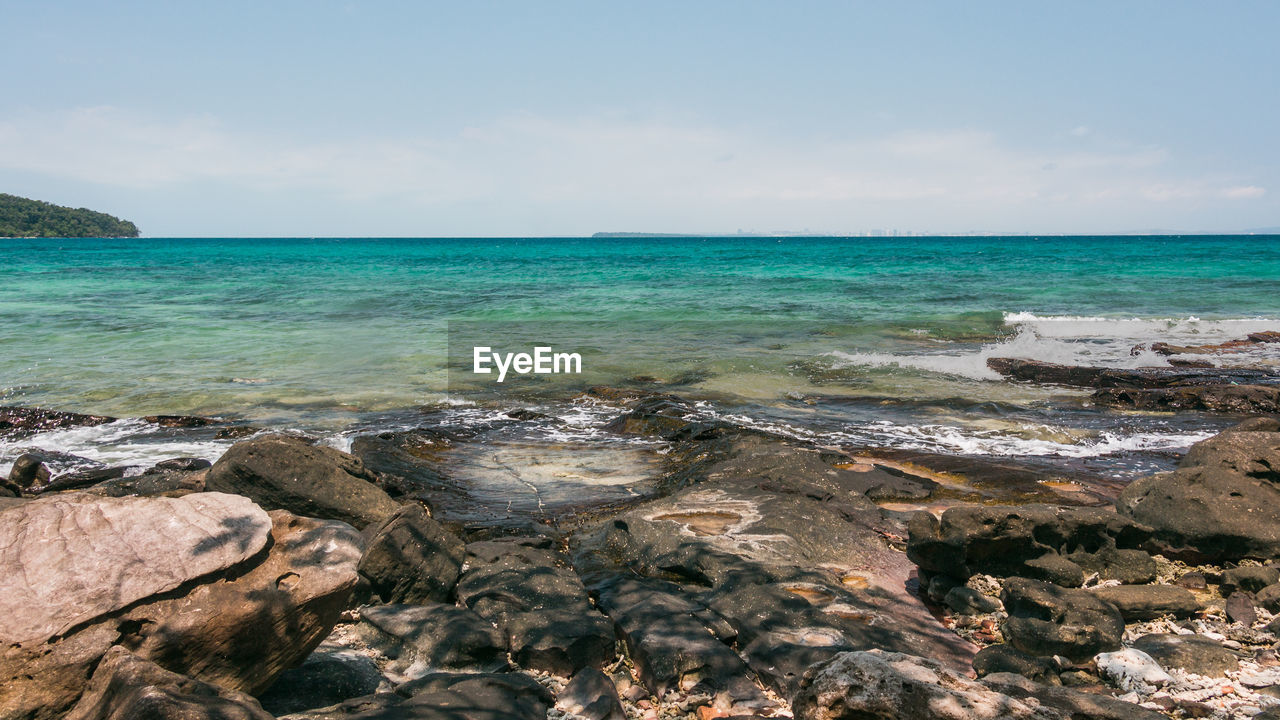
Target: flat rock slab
pixel 23 420
pixel 67 560
pixel 1148 602
pixel 1192 653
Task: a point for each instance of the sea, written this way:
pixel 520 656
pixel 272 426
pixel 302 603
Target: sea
pixel 851 342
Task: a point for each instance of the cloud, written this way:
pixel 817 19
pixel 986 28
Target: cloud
pixel 607 169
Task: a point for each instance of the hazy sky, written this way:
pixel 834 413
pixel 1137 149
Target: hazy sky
pixel 544 118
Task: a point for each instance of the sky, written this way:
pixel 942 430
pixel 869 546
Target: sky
pixel 318 118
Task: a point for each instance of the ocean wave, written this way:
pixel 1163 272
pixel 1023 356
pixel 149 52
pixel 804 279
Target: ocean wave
pixel 1140 329
pixel 123 442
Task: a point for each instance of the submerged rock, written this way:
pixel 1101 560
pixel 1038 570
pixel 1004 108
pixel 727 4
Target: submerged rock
pixel 1147 377
pixel 286 472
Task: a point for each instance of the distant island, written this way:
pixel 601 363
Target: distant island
pixel 22 217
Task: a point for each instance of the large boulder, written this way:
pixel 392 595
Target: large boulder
pixel 127 687
pixel 412 558
pixel 875 684
pixel 207 585
pixel 1222 503
pixel 1045 619
pixel 283 472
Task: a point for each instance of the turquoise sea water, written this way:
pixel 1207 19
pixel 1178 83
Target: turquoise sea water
pixel 321 333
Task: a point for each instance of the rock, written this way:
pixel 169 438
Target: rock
pixel 185 464
pixel 84 478
pixel 1131 567
pixel 1269 598
pixel 178 421
pixel 1213 398
pixel 1131 669
pixel 1045 619
pixel 876 684
pixel 1147 377
pixel 20 421
pixel 1031 541
pixel 591 695
pixel 1239 607
pixel 29 469
pixel 1192 581
pixel 323 679
pixel 1222 503
pixel 285 472
pixel 967 601
pixel 1072 703
pixel 1004 658
pixel 425 638
pixel 544 612
pixel 1192 653
pixel 1250 578
pixel 1148 602
pixel 65 561
pixel 412 558
pixel 169 483
pixel 504 696
pixel 670 645
pixel 192 584
pixel 127 687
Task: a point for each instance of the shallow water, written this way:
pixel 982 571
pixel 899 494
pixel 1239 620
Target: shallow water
pixel 849 341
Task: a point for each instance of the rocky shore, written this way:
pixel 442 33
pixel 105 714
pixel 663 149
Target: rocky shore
pixel 741 574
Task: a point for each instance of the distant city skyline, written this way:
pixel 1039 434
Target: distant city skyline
pixel 569 118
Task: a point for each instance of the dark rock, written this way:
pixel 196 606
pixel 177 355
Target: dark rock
pixel 513 696
pixel 1131 567
pixel 420 638
pixel 323 679
pixel 169 483
pixel 178 421
pixel 967 601
pixel 1192 581
pixel 29 469
pixel 1148 602
pixel 1192 653
pixel 544 612
pixel 1072 703
pixel 1213 398
pixel 127 687
pixel 187 464
pixel 1045 619
pixel 591 695
pixel 875 684
pixel 1028 541
pixel 1147 377
pixel 658 416
pixel 412 558
pixel 1257 424
pixel 19 421
pixel 1250 578
pixel 285 472
pixel 1239 608
pixel 84 478
pixel 1004 658
pixel 1269 598
pixel 1222 503
pixel 669 644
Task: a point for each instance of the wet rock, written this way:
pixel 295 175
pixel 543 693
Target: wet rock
pixel 423 638
pixel 323 679
pixel 29 469
pixel 669 643
pixel 127 687
pixel 876 684
pixel 967 601
pixel 183 464
pixel 1148 602
pixel 1072 703
pixel 21 421
pixel 1045 619
pixel 656 416
pixel 544 612
pixel 178 421
pixel 1212 398
pixel 1147 377
pixel 1004 658
pixel 192 584
pixel 285 472
pixel 166 482
pixel 1192 653
pixel 1239 607
pixel 1222 503
pixel 591 695
pixel 1032 541
pixel 411 558
pixel 84 478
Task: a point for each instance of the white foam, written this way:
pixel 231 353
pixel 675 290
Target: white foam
pixel 123 442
